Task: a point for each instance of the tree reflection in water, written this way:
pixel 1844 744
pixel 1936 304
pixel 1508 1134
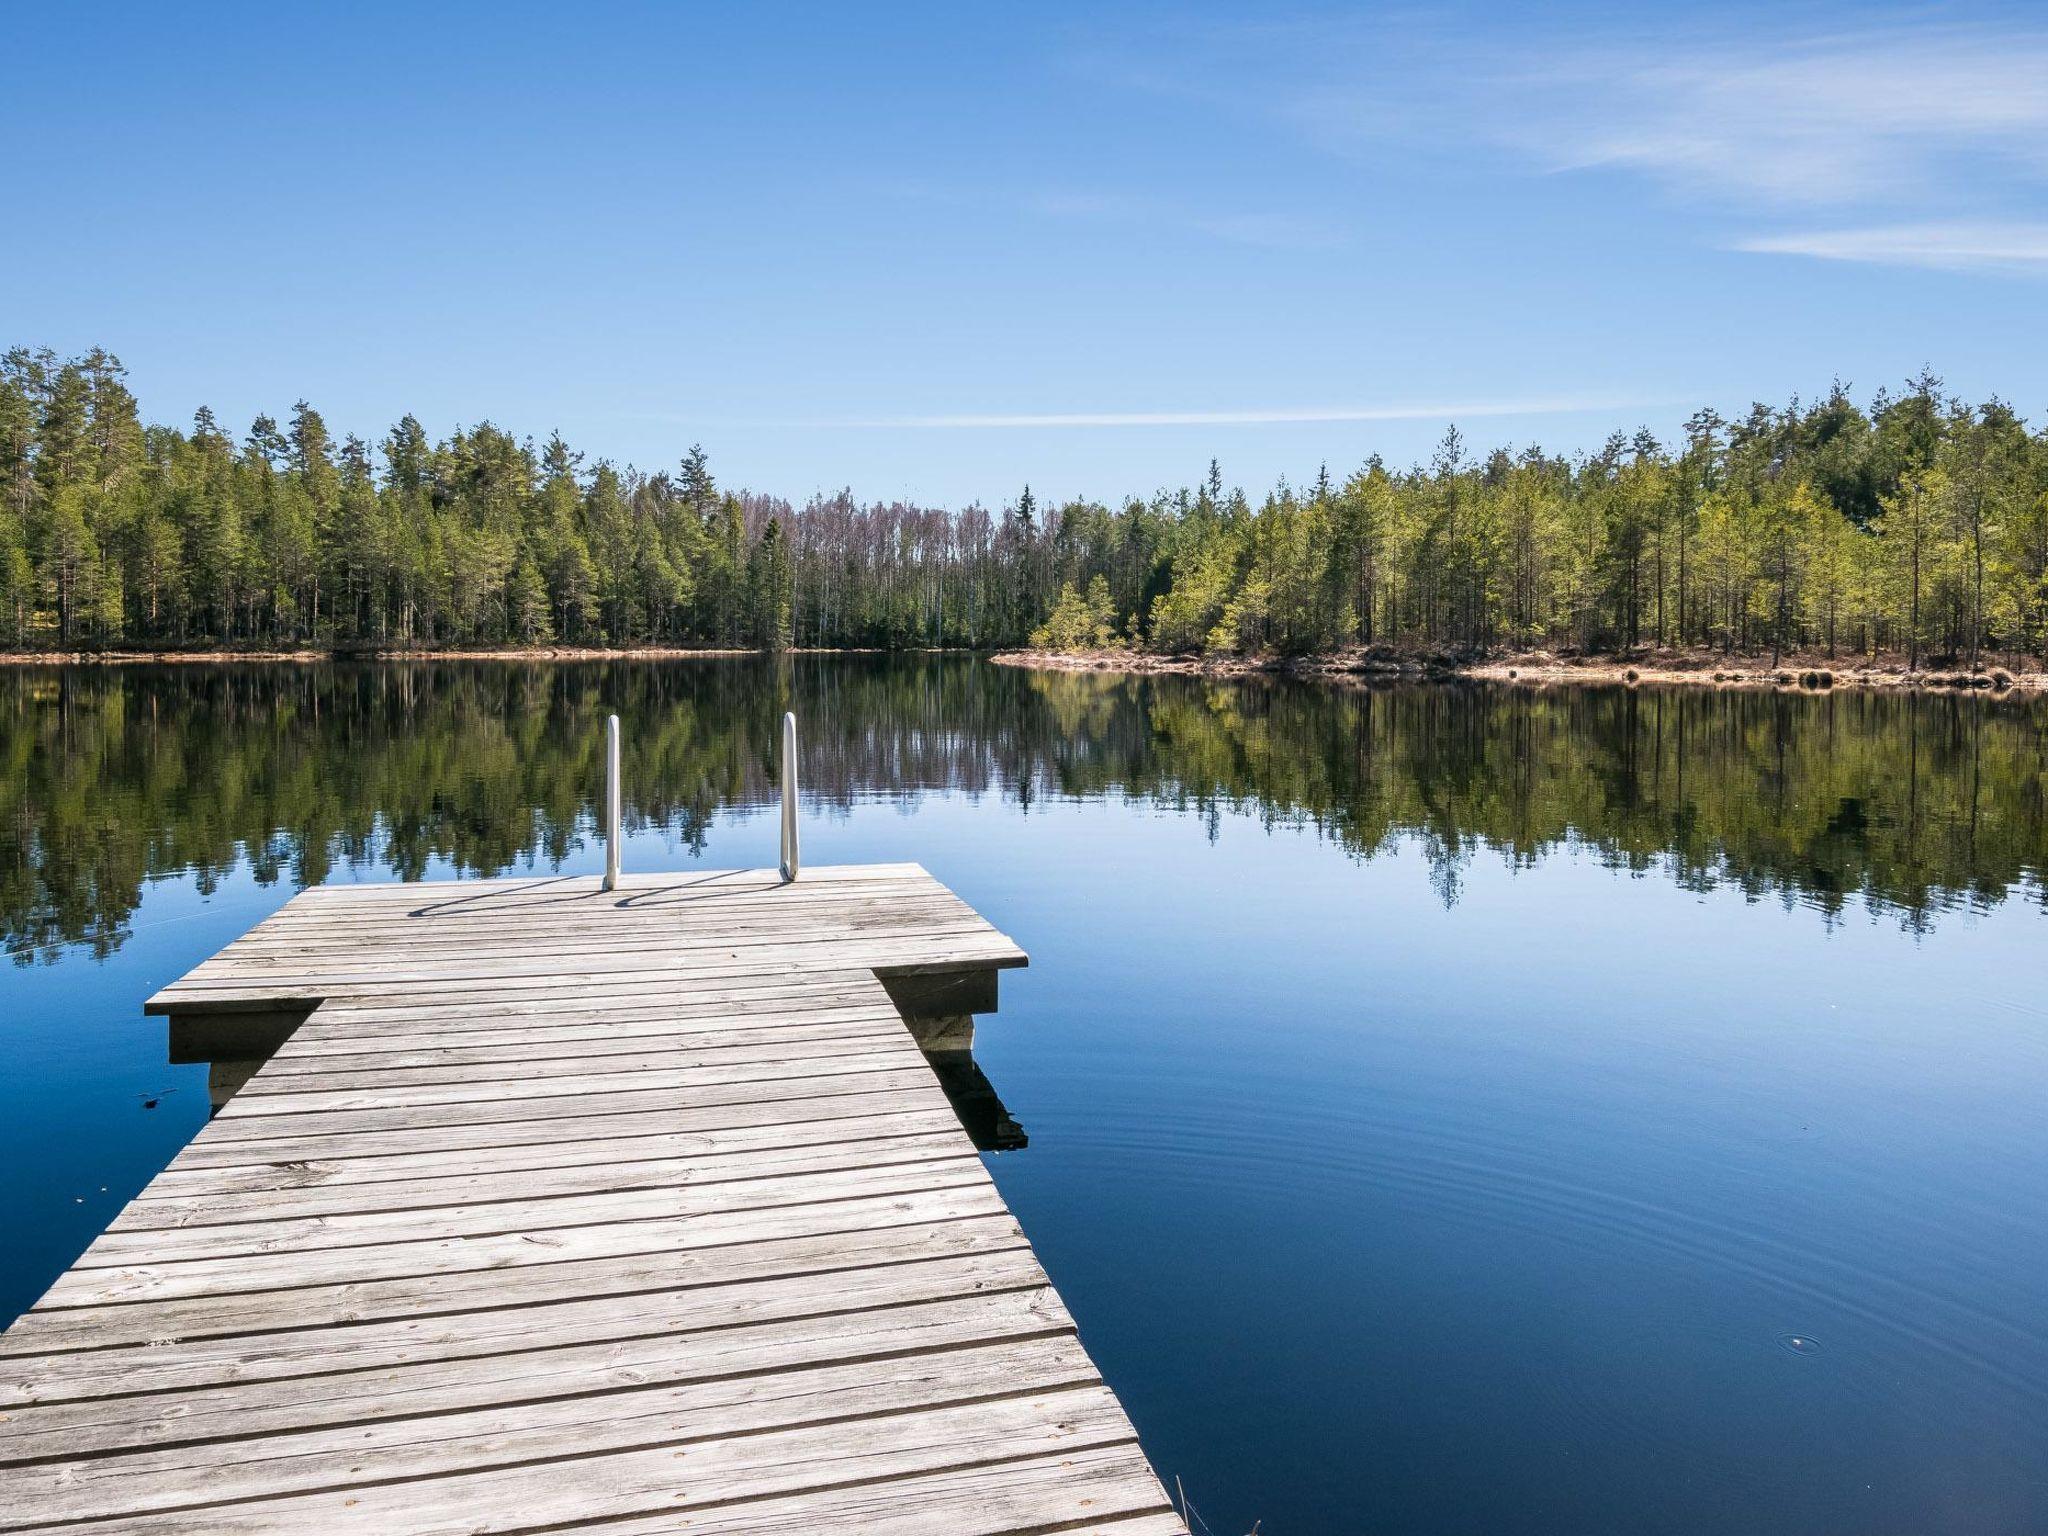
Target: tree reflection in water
pixel 111 776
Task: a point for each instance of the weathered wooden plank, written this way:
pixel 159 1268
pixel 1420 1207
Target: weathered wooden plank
pixel 1101 1491
pixel 911 1084
pixel 419 1257
pixel 571 983
pixel 497 950
pixel 591 906
pixel 295 1350
pixel 705 1475
pixel 793 1044
pixel 483 1085
pixel 416 1014
pixel 422 952
pixel 599 1116
pixel 312 934
pixel 341 1028
pixel 567 992
pixel 708 883
pixel 180 1183
pixel 427 942
pixel 636 1169
pixel 271 1234
pixel 240 1411
pixel 636 892
pixel 938 1231
pixel 790 1035
pixel 476 1440
pixel 832 954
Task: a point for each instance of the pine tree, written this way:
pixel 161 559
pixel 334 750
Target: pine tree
pixel 769 580
pixel 726 575
pixel 528 601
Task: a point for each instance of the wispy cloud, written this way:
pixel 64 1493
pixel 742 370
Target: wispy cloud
pixel 1269 231
pixel 1266 230
pixel 1904 120
pixel 1259 417
pixel 1838 119
pixel 2017 247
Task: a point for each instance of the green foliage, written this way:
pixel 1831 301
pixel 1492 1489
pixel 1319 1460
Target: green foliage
pixel 1079 622
pixel 768 590
pixel 1918 526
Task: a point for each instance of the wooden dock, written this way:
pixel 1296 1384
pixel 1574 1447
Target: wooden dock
pixel 556 1208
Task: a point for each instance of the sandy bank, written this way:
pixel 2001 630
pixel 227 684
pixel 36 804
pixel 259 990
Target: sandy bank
pixel 1533 667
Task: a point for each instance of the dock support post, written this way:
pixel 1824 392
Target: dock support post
pixel 789 848
pixel 611 802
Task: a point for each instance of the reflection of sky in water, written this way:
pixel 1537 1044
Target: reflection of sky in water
pixel 1387 1214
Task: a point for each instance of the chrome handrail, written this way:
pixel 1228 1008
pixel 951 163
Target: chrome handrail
pixel 611 803
pixel 789 842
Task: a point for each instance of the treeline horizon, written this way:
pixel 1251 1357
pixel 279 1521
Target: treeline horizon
pixel 1915 526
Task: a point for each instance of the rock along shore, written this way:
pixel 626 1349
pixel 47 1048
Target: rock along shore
pixel 1534 667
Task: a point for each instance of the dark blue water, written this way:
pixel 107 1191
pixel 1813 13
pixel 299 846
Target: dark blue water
pixel 1448 1112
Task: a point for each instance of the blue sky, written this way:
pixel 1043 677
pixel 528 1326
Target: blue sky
pixel 935 252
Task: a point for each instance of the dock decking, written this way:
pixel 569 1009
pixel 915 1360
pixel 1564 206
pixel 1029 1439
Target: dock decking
pixel 627 1212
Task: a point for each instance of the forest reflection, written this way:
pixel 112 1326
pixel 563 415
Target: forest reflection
pixel 114 776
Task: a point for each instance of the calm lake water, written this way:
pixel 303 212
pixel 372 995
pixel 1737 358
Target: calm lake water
pixel 1449 1109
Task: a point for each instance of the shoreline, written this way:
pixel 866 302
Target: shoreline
pixel 1800 674
pixel 1808 674
pixel 317 654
